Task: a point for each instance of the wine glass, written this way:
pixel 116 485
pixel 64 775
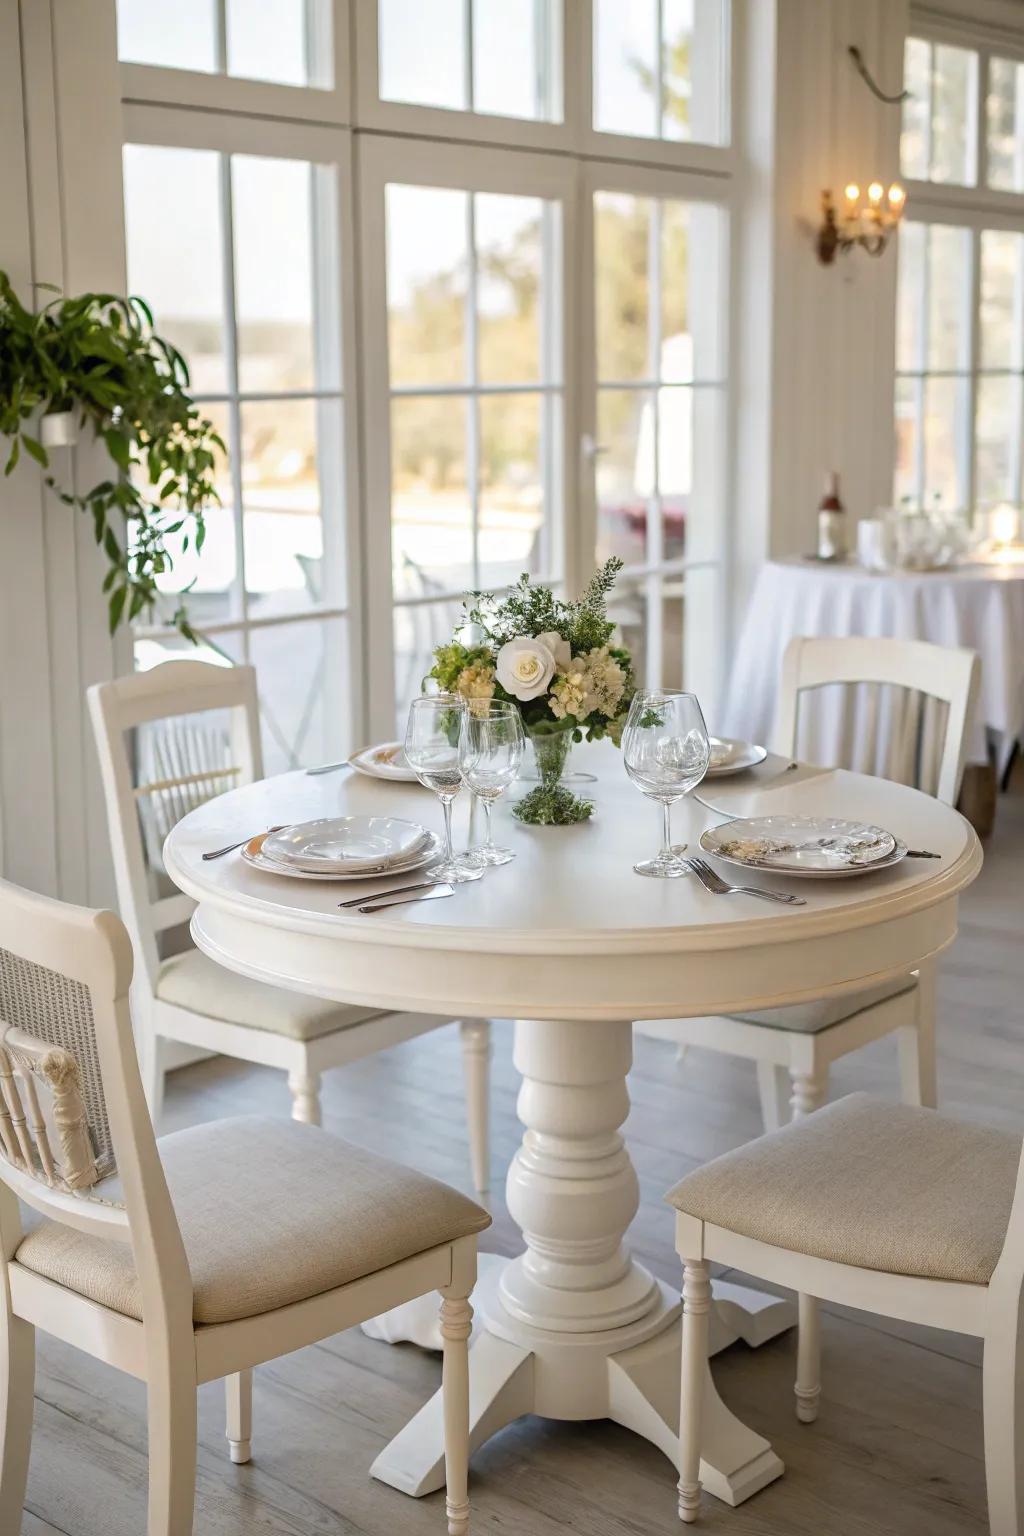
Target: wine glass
pixel 666 751
pixel 491 745
pixel 432 751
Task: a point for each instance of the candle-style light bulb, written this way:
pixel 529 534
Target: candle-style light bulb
pixel 897 197
pixel 875 191
pixel 852 192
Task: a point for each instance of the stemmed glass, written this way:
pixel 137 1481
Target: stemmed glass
pixel 666 751
pixel 491 746
pixel 432 751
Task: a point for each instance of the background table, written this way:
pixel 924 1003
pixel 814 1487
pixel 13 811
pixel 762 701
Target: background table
pixel 977 606
pixel 573 946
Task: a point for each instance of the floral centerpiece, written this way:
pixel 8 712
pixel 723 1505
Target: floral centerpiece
pixel 555 660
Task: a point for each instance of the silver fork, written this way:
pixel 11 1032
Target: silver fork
pixel 712 881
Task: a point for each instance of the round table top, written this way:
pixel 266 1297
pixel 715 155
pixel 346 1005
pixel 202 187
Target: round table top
pixel 567 929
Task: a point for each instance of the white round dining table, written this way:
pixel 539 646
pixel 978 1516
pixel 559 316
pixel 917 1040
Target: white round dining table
pixel 572 945
pixel 978 605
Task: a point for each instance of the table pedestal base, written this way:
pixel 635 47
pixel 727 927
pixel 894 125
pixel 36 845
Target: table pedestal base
pixel 629 1374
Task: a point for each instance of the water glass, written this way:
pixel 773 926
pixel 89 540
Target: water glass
pixel 432 751
pixel 666 752
pixel 491 746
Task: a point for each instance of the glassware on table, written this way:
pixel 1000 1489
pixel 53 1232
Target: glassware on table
pixel 432 751
pixel 491 745
pixel 666 751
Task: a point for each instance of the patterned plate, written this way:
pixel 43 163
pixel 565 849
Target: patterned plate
pixel 813 846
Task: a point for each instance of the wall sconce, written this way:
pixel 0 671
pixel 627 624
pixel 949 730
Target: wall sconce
pixel 867 222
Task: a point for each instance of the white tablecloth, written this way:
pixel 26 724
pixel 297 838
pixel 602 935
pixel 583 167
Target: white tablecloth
pixel 978 606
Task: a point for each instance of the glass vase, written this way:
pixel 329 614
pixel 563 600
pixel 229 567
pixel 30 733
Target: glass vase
pixel 551 803
pixel 551 752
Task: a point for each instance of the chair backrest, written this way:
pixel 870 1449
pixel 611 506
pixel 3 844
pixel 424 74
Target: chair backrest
pixel 944 673
pixel 65 1029
pixel 159 760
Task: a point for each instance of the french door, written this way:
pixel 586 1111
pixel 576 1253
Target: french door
pixel 653 413
pixel 251 279
pixel 469 375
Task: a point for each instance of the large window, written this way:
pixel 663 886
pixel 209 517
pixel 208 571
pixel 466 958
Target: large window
pixel 960 331
pixel 523 370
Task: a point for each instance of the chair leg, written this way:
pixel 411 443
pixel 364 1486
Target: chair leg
pixel 476 1064
pixel 171 1395
pixel 152 1065
pixel 1003 1395
pixel 808 1360
pixel 17 1376
pixel 810 1090
pixel 773 1089
pixel 696 1316
pixel 305 1092
pixel 917 1044
pixel 238 1394
pixel 456 1327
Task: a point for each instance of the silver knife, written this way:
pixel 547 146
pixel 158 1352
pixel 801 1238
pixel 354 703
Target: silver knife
pixel 327 768
pixel 396 890
pixel 434 893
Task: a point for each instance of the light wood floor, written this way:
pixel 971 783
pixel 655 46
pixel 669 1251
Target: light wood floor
pixel 897 1448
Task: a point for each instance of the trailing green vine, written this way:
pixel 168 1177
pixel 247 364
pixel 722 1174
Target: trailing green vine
pixel 98 357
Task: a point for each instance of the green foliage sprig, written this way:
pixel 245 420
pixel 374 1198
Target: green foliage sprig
pixel 552 805
pixel 99 357
pixel 529 610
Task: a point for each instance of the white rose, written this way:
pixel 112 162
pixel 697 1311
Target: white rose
pixel 558 647
pixel 525 667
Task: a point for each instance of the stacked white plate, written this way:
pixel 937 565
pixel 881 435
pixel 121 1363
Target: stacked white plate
pixel 343 848
pixel 730 756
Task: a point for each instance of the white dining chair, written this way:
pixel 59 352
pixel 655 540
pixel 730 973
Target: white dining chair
pixel 794 1047
pixel 192 1258
pixel 168 740
pixel 890 1209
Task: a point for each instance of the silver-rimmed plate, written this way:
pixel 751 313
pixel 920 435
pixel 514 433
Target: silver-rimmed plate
pixel 254 856
pixel 346 844
pixel 386 760
pixel 730 755
pixel 814 847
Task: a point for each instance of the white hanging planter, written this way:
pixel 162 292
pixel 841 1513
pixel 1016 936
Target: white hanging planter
pixel 58 429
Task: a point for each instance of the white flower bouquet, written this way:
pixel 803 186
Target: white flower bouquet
pixel 555 660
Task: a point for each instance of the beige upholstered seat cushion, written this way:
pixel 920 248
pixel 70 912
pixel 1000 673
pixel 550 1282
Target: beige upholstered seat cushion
pixel 193 981
pixel 270 1212
pixel 880 1186
pixel 809 1018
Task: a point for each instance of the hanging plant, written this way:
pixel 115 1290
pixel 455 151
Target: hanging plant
pixel 96 362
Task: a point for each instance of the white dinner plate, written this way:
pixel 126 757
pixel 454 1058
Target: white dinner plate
pixel 346 844
pixel 386 760
pixel 253 855
pixel 729 755
pixel 818 847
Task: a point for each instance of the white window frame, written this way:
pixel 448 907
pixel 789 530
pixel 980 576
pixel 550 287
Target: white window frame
pixel 229 135
pixel 709 615
pixel 975 208
pixel 154 85
pixel 383 160
pixel 475 151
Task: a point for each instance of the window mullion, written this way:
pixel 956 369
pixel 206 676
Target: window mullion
pixel 221 38
pixel 472 423
pixel 239 596
pixel 467 32
pixel 655 541
pixel 969 396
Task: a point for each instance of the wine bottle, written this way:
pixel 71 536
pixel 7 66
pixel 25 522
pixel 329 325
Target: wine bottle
pixel 832 540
